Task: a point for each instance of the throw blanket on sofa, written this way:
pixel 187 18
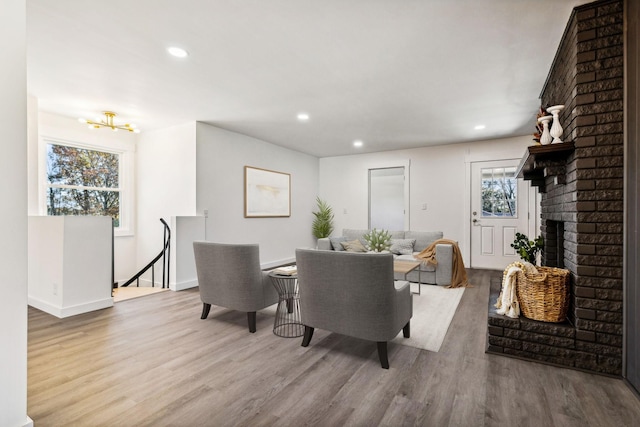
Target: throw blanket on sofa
pixel 459 274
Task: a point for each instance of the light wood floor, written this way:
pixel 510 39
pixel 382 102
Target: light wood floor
pixel 152 362
pixel 130 292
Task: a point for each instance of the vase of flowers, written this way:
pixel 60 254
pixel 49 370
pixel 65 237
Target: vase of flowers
pixel 378 240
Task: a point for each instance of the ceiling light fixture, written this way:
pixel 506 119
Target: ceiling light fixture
pixel 479 127
pixel 107 122
pixel 303 117
pixel 178 52
pixel 357 143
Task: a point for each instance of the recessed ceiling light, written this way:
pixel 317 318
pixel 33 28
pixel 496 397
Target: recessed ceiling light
pixel 303 117
pixel 177 52
pixel 357 143
pixel 479 127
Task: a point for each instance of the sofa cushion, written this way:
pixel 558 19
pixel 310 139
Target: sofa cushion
pixel 336 243
pixel 402 246
pixel 353 246
pixel 398 234
pixel 423 238
pixel 353 234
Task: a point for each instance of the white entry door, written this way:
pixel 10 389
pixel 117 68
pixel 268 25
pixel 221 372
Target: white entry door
pixel 499 209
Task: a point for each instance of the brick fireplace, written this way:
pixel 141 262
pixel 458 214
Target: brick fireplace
pixel 581 186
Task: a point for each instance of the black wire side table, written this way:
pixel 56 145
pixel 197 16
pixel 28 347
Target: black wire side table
pixel 287 323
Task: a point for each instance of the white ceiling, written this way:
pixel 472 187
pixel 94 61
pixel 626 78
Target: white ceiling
pixel 393 73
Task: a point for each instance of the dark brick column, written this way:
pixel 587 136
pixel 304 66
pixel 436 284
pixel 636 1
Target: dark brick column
pixel 587 199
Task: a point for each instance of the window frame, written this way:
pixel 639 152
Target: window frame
pixel 125 174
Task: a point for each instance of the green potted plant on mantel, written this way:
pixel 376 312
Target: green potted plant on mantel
pixel 323 223
pixel 527 249
pixel 378 240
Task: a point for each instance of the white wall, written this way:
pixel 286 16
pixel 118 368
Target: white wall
pixel 166 187
pixel 184 231
pixel 46 237
pixel 69 264
pixel 32 155
pixel 13 221
pixel 439 177
pixel 70 130
pixel 221 158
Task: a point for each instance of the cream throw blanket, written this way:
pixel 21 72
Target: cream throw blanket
pixel 507 303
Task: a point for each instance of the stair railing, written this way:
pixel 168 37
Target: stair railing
pixel 165 254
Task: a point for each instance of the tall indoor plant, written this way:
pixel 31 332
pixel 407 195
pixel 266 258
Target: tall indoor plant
pixel 323 223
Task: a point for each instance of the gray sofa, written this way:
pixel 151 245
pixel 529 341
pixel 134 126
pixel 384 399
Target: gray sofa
pixel 435 275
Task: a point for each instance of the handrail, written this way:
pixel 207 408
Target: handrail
pixel 165 254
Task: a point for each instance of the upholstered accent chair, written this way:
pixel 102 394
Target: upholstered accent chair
pixel 353 294
pixel 229 276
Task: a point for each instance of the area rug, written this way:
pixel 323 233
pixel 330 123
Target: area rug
pixel 433 311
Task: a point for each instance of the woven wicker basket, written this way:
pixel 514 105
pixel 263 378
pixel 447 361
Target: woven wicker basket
pixel 544 296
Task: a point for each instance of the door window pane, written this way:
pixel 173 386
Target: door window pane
pixel 499 192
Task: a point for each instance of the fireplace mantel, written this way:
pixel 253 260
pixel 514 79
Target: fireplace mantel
pixel 541 161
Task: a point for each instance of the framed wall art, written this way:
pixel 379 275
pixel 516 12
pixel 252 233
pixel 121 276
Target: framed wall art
pixel 266 193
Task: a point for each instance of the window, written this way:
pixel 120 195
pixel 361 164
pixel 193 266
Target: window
pixel 499 192
pixel 83 181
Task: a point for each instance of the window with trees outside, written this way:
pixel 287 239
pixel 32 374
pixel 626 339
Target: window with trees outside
pixel 499 192
pixel 82 181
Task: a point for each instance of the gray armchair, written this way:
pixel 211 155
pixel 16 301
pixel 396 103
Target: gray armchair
pixel 229 276
pixel 353 294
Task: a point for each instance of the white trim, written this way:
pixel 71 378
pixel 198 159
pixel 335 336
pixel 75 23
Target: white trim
pixel 278 263
pixel 181 286
pixel 87 307
pixel 188 284
pixel 62 312
pixel 29 423
pixel 45 306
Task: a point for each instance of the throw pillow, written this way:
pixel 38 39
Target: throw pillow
pixel 402 246
pixel 335 243
pixel 353 246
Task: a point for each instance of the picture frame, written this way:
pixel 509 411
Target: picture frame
pixel 267 193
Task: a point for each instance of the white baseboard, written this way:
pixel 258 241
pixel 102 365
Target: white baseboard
pixel 87 307
pixel 29 423
pixel 62 312
pixel 44 306
pixel 273 264
pixel 187 284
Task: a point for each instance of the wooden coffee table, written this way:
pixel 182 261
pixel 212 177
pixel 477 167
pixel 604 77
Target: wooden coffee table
pixel 406 267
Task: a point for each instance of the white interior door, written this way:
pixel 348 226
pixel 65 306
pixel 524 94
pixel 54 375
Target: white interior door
pixel 387 198
pixel 499 209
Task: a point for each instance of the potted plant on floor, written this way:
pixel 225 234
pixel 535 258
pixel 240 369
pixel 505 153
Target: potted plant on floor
pixel 323 223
